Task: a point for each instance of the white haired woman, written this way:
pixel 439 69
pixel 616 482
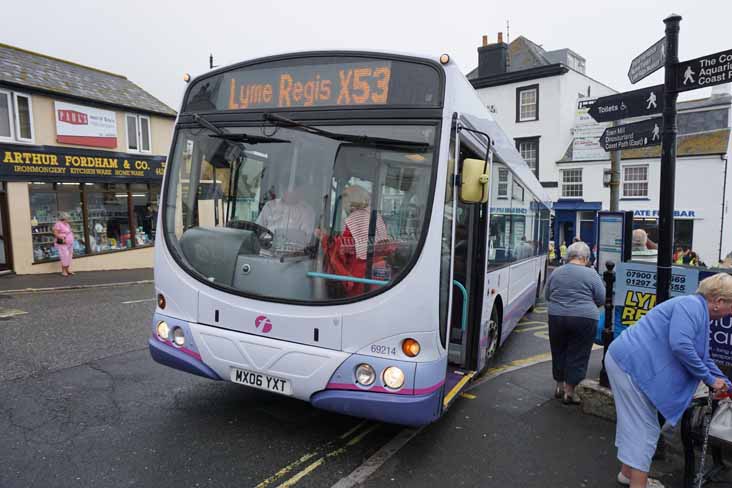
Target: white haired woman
pixel 63 236
pixel 656 366
pixel 574 292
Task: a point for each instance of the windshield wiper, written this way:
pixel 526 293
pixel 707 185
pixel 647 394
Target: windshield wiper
pixel 247 139
pixel 361 140
pixel 222 134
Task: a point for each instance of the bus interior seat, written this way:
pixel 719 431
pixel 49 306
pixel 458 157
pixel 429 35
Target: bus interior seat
pixel 213 252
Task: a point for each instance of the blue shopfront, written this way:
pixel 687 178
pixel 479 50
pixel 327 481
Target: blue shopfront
pixel 575 218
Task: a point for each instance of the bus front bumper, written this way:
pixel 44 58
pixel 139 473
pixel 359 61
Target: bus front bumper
pixel 412 410
pixel 177 359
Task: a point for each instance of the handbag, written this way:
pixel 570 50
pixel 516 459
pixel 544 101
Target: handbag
pixel 721 424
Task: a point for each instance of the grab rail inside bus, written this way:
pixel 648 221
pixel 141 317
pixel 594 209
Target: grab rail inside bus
pixel 462 289
pixel 327 276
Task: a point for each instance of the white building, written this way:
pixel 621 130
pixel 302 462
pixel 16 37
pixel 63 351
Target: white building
pixel 533 95
pixel 702 220
pixel 538 96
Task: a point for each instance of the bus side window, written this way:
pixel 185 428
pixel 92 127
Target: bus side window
pixel 501 225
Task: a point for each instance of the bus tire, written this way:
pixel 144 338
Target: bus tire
pixel 494 335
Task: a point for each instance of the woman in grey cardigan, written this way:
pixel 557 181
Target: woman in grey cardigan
pixel 574 292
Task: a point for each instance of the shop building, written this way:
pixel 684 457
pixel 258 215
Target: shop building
pixel 82 142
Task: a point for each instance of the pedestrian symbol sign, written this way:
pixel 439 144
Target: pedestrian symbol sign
pixel 636 103
pixel 631 136
pixel 710 70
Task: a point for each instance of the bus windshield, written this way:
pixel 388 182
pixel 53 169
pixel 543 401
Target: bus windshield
pixel 297 215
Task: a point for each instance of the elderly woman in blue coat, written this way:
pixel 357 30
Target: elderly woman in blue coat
pixel 656 366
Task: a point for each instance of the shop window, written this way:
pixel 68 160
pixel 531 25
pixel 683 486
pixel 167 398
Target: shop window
pixel 117 217
pixel 145 210
pixel 572 183
pixel 108 217
pixel 527 103
pixel 683 231
pixel 635 181
pixel 138 133
pixel 48 201
pixel 16 117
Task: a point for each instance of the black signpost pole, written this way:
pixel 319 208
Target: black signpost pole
pixel 668 162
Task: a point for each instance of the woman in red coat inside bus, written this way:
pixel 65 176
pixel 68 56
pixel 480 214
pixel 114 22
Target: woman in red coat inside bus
pixel 347 254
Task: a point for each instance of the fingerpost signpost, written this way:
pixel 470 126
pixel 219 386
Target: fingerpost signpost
pixel 702 72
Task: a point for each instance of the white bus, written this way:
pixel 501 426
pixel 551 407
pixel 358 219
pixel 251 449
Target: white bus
pixel 371 238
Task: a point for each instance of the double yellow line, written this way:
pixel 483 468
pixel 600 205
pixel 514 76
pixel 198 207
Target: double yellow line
pixel 328 451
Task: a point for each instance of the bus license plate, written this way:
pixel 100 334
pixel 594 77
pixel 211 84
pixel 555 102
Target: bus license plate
pixel 261 381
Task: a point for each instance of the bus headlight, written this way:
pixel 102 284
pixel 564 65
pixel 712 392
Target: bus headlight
pixel 393 377
pixel 365 374
pixel 163 330
pixel 410 347
pixel 179 337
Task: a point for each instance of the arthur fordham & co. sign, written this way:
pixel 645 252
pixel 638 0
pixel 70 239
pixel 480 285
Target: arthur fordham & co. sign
pixel 49 163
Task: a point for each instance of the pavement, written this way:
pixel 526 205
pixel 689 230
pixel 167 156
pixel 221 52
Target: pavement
pixel 10 283
pixel 82 404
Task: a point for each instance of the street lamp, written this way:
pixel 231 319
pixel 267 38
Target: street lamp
pixel 607 175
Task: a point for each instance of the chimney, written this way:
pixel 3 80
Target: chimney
pixel 492 57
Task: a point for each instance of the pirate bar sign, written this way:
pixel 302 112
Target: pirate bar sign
pixel 710 70
pixel 636 103
pixel 632 136
pixel 648 62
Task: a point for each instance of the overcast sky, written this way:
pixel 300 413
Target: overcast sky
pixel 154 42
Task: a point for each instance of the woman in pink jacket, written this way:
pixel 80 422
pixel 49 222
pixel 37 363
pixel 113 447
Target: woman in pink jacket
pixel 64 243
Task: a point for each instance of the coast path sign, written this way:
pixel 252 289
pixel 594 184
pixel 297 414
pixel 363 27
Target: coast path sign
pixel 649 61
pixel 710 70
pixel 636 103
pixel 630 136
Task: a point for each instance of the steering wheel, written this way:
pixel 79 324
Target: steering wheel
pixel 264 235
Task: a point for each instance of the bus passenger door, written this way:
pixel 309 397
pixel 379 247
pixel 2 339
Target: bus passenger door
pixel 468 265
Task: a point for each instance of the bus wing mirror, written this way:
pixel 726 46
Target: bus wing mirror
pixel 474 181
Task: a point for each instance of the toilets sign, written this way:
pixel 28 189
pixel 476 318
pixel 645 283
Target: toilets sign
pixel 710 70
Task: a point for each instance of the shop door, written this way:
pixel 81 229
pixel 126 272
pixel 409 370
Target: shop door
pixel 6 263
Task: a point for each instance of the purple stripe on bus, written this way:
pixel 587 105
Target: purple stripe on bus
pixel 413 410
pixel 177 359
pixel 184 350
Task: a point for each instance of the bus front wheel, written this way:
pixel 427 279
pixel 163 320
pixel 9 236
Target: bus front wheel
pixel 494 336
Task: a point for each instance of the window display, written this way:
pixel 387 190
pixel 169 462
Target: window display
pixel 47 202
pixel 117 217
pixel 145 209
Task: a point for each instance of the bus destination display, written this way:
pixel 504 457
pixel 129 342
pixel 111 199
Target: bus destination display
pixel 343 82
pixel 310 86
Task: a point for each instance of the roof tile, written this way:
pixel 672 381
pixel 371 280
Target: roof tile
pixel 41 72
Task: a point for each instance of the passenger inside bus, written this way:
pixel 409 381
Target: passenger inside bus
pixel 360 250
pixel 289 217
